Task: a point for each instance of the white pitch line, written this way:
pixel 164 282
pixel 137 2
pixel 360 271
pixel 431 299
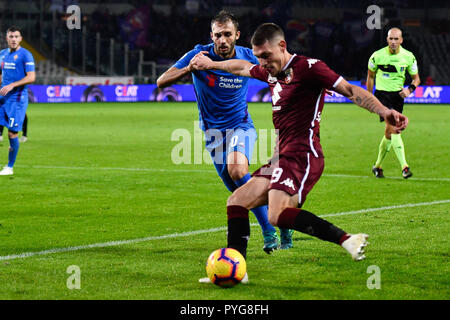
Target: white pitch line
pixel 408 205
pixel 207 170
pixel 195 232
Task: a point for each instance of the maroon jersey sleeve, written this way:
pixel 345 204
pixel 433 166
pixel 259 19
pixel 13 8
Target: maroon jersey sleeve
pixel 259 73
pixel 322 75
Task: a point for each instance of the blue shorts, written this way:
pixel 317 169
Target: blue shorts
pixel 12 112
pixel 220 144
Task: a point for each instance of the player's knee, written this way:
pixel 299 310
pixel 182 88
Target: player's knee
pixel 237 171
pixel 12 134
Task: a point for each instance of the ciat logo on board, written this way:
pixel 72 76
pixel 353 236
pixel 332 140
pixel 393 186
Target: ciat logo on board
pixel 59 93
pixel 126 93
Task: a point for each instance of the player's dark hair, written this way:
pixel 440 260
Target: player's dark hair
pixel 225 16
pixel 266 32
pixel 14 29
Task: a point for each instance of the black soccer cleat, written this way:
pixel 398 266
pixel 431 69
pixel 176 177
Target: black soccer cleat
pixel 406 173
pixel 378 172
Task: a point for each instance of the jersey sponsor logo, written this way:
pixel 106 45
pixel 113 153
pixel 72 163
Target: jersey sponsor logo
pixel 211 80
pixel 276 93
pixel 288 183
pixel 230 83
pixel 9 65
pixel 276 108
pixel 30 63
pixel 311 62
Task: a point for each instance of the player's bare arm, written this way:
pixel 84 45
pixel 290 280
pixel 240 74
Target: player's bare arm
pixel 235 66
pixel 370 82
pixel 172 75
pixel 415 83
pixel 369 102
pixel 29 78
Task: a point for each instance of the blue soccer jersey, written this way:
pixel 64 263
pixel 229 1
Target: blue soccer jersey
pixel 15 66
pixel 221 96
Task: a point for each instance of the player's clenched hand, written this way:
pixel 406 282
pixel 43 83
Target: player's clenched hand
pixel 396 119
pixel 4 91
pixel 201 61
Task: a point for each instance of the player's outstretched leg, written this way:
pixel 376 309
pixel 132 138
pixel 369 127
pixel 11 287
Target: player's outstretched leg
pixel 306 222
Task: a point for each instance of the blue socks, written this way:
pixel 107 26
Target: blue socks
pixel 13 150
pixel 259 212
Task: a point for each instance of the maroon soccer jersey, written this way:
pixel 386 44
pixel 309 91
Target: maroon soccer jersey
pixel 297 102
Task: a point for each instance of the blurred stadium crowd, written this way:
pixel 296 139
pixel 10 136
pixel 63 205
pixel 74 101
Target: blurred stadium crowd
pixel 162 31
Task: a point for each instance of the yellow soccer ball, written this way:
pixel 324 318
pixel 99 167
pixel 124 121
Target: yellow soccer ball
pixel 226 267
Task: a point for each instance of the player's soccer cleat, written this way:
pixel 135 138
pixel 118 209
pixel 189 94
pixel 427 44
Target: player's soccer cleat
pixel 286 238
pixel 6 171
pixel 355 245
pixel 204 280
pixel 23 139
pixel 271 241
pixel 1 138
pixel 406 173
pixel 378 172
pixel 207 280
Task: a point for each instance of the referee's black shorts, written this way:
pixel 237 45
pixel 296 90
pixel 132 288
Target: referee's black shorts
pixel 391 99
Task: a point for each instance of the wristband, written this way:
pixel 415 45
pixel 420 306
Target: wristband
pixel 412 87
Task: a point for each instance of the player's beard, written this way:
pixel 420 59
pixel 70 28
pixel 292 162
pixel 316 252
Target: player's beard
pixel 226 54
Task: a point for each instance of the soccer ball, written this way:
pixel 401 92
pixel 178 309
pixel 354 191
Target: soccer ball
pixel 226 267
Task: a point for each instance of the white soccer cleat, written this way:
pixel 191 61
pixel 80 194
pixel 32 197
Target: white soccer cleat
pixel 6 171
pixel 1 138
pixel 23 139
pixel 245 279
pixel 207 280
pixel 204 280
pixel 355 245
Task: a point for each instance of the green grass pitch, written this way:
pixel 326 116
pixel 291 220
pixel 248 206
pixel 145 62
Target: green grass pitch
pixel 93 174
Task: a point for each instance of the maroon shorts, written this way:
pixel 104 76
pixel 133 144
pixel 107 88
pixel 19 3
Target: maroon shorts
pixel 294 173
